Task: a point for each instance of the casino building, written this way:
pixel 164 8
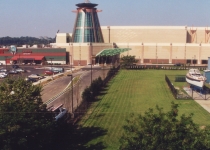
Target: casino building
pixel 149 44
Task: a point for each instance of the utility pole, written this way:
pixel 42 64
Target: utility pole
pixel 51 66
pixel 72 102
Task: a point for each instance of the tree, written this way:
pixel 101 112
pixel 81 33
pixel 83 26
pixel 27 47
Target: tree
pixel 93 90
pixel 164 131
pixel 127 61
pixel 25 122
pixel 19 41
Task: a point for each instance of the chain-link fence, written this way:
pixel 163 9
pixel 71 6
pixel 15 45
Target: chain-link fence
pixel 176 91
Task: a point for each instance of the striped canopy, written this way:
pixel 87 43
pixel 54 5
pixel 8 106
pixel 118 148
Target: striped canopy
pixel 112 51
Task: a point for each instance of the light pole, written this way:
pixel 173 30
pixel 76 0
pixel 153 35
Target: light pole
pixel 71 62
pixel 72 102
pixel 192 60
pixel 91 69
pixel 91 73
pixel 156 59
pixel 51 66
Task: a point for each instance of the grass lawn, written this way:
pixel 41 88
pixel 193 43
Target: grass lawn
pixel 132 91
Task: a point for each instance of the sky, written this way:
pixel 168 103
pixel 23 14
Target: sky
pixel 37 18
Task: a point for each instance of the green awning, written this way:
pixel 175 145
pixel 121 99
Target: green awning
pixel 112 51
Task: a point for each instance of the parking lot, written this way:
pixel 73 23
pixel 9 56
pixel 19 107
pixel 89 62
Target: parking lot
pixel 29 69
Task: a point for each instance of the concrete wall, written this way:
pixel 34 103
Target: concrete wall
pixel 167 52
pixel 63 37
pixel 84 53
pixel 146 34
pixel 198 35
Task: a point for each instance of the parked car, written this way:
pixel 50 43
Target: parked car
pixel 12 72
pixel 178 64
pixel 31 79
pixel 50 72
pixel 35 76
pixel 3 70
pixel 2 76
pixel 20 70
pixel 57 69
pixel 15 66
pixel 61 114
pixel 3 73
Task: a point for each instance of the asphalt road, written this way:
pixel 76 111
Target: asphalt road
pixel 54 88
pixel 57 86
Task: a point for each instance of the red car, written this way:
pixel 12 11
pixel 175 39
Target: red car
pixel 49 72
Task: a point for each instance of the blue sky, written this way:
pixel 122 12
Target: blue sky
pixel 44 17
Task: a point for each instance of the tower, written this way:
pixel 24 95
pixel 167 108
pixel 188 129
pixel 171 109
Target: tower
pixel 87 27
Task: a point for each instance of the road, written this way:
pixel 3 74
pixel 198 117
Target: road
pixel 57 86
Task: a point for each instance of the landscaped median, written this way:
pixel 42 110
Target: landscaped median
pixel 47 79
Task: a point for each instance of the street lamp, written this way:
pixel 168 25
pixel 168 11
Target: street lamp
pixel 91 72
pixel 71 62
pixel 51 66
pixel 194 60
pixel 72 102
pixel 91 69
pixel 156 59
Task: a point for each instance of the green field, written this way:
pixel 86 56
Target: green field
pixel 132 91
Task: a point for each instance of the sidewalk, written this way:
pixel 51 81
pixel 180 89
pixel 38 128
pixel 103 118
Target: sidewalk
pixel 202 99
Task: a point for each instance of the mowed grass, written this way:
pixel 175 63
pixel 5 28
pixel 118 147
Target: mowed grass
pixel 133 91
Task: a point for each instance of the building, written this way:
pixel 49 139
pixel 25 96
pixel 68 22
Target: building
pixel 150 44
pixel 25 55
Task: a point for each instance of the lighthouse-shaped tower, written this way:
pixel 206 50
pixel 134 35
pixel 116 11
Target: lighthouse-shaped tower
pixel 87 27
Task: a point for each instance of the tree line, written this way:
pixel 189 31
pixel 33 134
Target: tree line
pixel 19 41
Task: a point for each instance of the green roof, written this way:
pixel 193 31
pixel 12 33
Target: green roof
pixel 112 51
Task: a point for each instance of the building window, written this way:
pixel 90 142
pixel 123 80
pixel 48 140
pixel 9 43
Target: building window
pixel 78 36
pixel 79 20
pixel 99 37
pixel 88 20
pixel 89 35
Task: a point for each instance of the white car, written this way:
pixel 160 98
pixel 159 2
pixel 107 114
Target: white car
pixel 3 70
pixel 2 76
pixel 20 70
pixel 3 73
pixel 35 76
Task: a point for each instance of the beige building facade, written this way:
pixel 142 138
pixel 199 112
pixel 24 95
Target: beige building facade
pixel 149 44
